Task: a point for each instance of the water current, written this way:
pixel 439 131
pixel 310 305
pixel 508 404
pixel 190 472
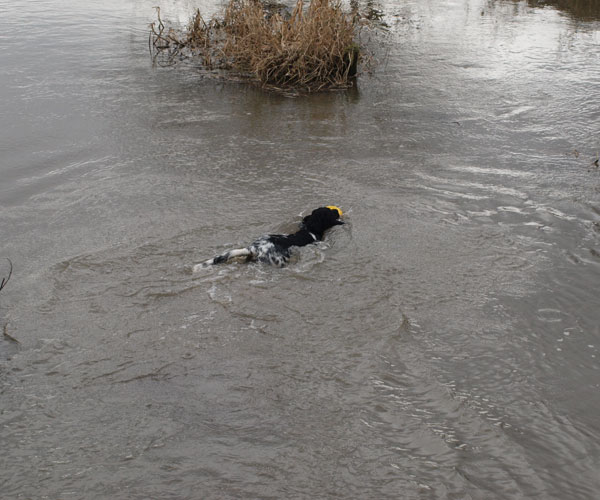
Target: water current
pixel 443 344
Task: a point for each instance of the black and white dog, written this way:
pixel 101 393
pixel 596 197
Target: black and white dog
pixel 275 248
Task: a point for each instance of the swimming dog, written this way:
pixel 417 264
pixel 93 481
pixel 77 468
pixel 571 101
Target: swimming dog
pixel 275 249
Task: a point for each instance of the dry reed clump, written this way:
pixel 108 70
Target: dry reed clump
pixel 312 49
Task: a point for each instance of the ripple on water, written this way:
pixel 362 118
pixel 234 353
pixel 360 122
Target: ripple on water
pixel 443 344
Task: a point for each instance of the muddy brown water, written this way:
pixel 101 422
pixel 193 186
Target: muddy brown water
pixel 442 344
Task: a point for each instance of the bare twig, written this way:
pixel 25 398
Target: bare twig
pixel 8 336
pixel 5 280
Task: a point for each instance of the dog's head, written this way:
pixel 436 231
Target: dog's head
pixel 322 219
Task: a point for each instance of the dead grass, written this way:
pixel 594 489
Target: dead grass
pixel 311 49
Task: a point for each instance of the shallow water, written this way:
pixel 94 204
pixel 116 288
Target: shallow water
pixel 442 344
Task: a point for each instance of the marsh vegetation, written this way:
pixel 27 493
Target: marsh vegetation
pixel 309 48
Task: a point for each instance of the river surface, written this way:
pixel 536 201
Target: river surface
pixel 443 344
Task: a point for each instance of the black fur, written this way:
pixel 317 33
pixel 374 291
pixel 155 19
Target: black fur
pixel 275 249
